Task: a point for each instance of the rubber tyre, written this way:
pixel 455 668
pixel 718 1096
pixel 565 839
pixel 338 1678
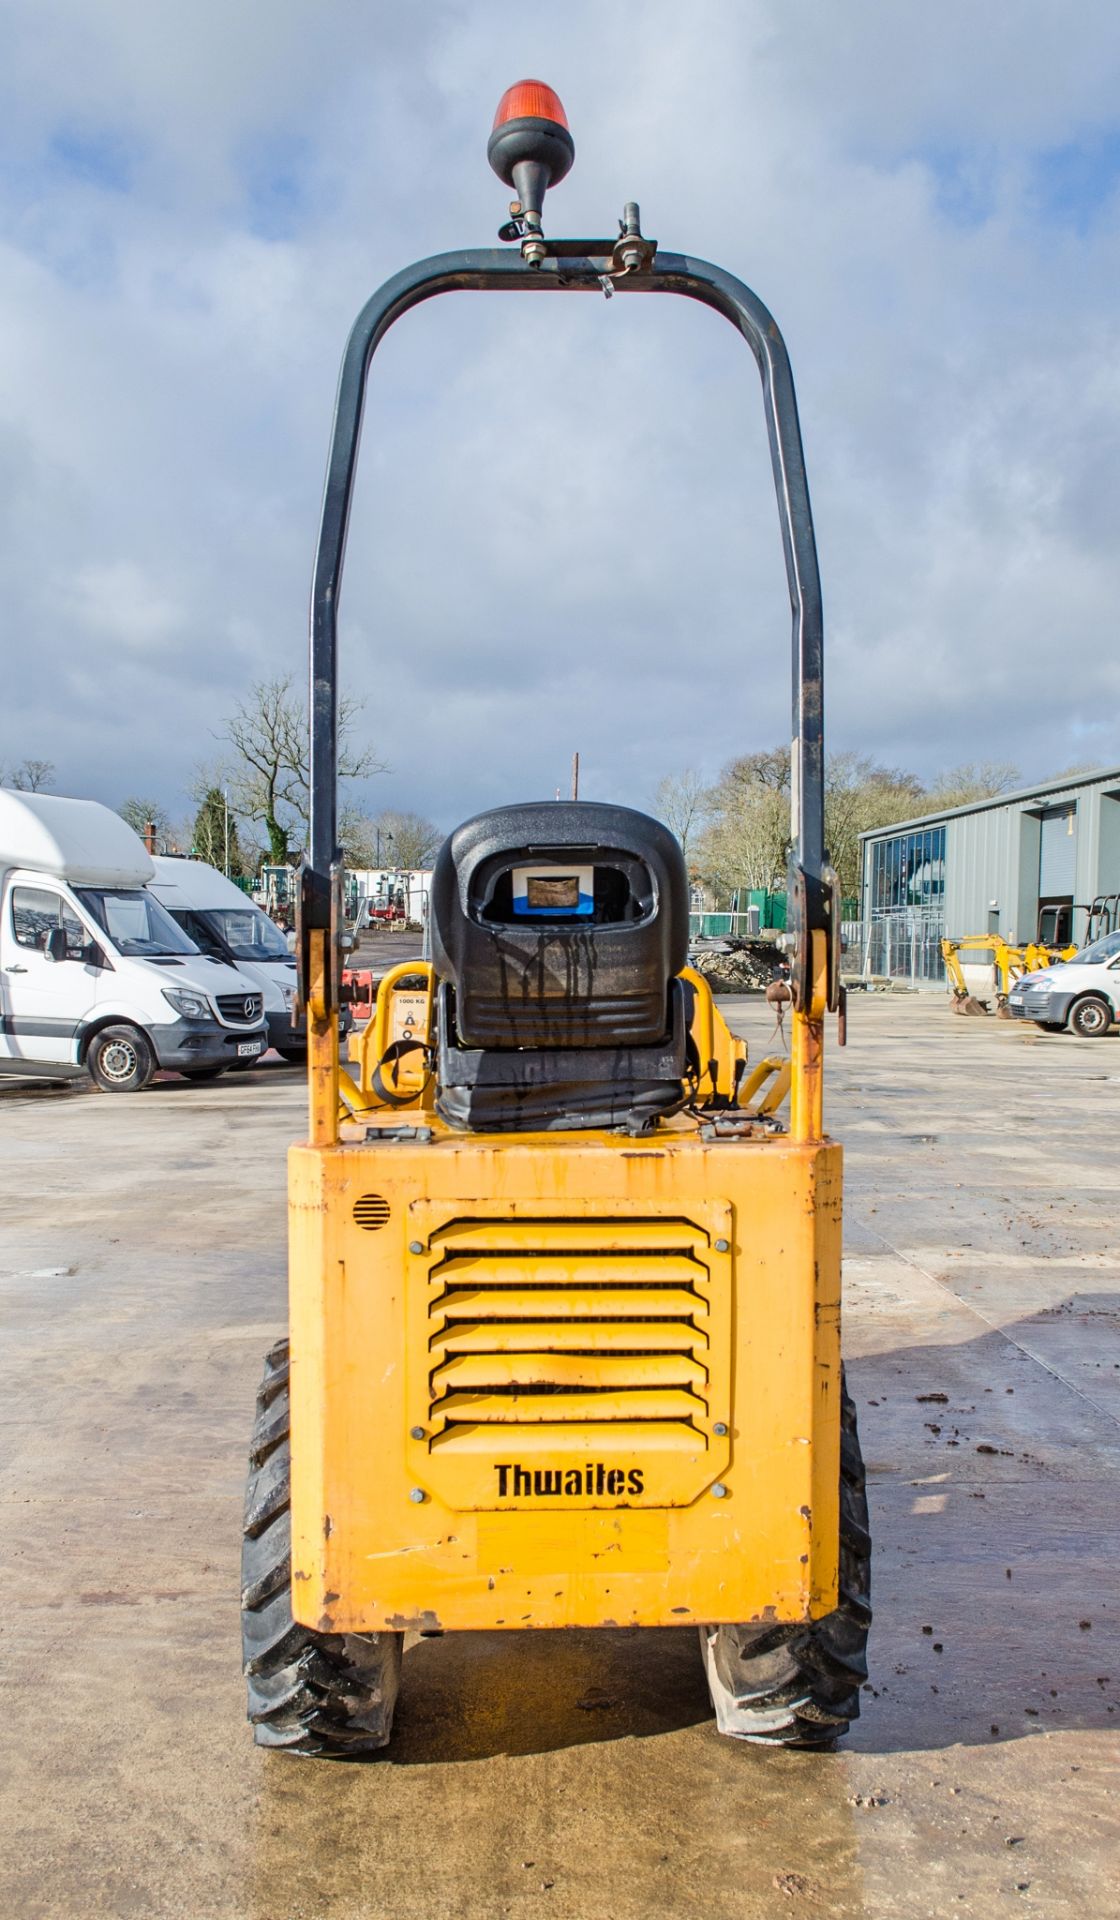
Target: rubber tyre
pixel 295 1056
pixel 799 1686
pixel 203 1073
pixel 1091 1017
pixel 120 1060
pixel 331 1694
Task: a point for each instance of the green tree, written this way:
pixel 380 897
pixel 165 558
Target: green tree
pixel 214 836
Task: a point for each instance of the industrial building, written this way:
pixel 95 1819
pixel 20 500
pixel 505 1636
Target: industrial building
pixel 1024 865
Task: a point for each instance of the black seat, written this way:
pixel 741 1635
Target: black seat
pixel 557 931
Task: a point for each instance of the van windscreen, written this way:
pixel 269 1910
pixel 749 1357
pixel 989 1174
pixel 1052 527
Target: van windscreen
pixel 248 933
pixel 134 921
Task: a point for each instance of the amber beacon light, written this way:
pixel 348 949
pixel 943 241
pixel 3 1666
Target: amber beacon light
pixel 530 147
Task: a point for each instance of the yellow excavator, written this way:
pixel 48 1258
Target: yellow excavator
pixel 982 968
pixel 564 1327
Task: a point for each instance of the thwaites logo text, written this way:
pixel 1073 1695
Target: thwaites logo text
pixel 543 1483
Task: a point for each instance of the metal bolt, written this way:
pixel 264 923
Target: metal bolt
pixel 418 1432
pixel 417 1494
pixel 722 1246
pixel 719 1491
pixel 720 1427
pixel 416 1246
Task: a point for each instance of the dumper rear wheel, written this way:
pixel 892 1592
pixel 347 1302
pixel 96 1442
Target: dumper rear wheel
pixel 799 1686
pixel 311 1693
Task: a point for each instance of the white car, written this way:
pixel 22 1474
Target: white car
pixel 1082 994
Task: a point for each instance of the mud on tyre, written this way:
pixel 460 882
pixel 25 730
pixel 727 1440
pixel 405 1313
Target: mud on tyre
pixel 799 1686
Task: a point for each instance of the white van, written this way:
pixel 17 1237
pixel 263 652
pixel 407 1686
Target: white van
pixel 95 976
pixel 228 925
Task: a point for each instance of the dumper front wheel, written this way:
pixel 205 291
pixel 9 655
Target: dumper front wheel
pixel 798 1686
pixel 311 1693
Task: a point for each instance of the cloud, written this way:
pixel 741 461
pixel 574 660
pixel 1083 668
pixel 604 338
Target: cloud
pixel 564 532
pixel 117 605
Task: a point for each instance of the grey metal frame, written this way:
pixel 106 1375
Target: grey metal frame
pixel 576 267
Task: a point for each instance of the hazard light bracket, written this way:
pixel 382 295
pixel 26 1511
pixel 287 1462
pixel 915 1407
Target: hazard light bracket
pixel 631 252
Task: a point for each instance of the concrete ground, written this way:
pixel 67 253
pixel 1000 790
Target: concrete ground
pixel 573 1776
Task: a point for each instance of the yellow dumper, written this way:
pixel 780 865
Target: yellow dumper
pixel 565 1284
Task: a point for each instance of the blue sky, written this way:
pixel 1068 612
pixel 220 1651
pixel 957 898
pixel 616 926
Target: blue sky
pixel 195 200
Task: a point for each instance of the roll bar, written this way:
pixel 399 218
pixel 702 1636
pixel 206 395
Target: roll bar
pixel 574 267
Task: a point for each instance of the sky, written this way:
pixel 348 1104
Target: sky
pixel 564 533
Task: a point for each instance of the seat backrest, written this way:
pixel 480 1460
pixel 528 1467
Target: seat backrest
pixel 560 924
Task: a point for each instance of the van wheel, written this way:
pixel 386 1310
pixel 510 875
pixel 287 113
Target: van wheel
pixel 312 1693
pixel 1090 1017
pixel 120 1060
pixel 799 1686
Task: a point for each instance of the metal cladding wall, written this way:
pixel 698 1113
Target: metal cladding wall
pixel 993 852
pixel 981 865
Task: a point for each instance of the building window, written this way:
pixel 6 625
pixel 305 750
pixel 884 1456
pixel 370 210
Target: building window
pixel 904 906
pixel 908 871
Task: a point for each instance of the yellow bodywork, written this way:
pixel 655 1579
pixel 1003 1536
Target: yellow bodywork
pixel 1007 963
pixel 563 1379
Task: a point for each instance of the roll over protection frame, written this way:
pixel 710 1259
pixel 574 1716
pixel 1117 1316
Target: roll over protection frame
pixel 583 267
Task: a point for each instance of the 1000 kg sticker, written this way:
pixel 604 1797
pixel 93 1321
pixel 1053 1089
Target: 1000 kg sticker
pixel 536 1483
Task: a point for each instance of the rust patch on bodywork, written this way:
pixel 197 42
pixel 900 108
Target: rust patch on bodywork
pixel 425 1622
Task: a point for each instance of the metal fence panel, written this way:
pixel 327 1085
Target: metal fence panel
pixel 900 945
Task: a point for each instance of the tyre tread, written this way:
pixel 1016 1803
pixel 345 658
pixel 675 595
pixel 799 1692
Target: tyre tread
pixel 308 1692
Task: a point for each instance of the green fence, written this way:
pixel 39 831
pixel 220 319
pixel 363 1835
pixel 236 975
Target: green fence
pixel 739 919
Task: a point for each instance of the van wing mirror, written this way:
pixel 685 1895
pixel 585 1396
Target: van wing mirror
pixel 54 946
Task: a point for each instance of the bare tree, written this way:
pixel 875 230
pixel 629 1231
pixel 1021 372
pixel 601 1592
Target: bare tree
pixel 140 814
pixel 356 838
pixel 746 840
pixel 270 778
pixel 1072 772
pixel 31 776
pixel 405 840
pixel 858 795
pixel 683 802
pixel 746 843
pixel 980 780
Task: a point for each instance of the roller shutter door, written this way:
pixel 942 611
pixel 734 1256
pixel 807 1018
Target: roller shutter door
pixel 1057 860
